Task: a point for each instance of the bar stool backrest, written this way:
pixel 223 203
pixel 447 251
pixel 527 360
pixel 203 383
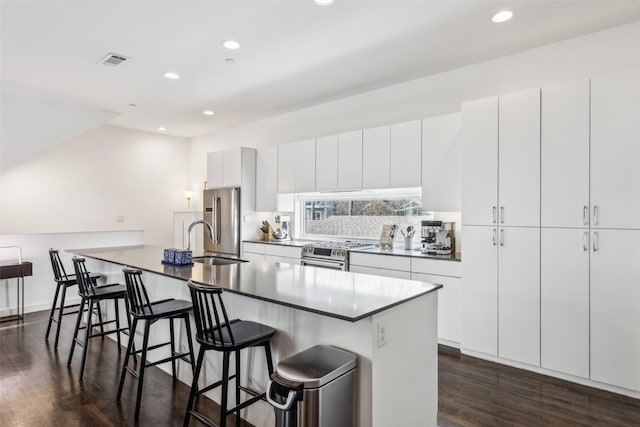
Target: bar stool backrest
pixel 59 272
pixel 85 284
pixel 139 303
pixel 212 323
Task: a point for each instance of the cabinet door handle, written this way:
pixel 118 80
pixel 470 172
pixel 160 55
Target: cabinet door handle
pixel 585 241
pixel 585 215
pixel 595 214
pixel 494 237
pixel 595 241
pixel 501 214
pixel 493 215
pixel 502 237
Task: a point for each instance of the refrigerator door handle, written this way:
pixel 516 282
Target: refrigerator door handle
pixel 214 217
pixel 218 227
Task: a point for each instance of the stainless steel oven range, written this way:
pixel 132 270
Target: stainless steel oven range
pixel 333 255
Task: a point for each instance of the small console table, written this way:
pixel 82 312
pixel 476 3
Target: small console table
pixel 16 270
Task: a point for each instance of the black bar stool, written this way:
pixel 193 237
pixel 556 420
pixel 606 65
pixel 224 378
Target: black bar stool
pixel 93 295
pixel 221 334
pixel 140 308
pixel 63 281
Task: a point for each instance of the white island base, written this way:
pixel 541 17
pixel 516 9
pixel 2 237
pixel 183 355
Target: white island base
pixel 396 349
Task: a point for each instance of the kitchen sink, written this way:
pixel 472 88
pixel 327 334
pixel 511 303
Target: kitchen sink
pixel 216 260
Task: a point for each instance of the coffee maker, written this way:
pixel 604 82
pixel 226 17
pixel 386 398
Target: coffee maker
pixel 438 238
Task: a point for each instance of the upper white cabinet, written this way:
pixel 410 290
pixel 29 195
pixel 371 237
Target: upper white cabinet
pixel 350 160
pixel 305 163
pixel 441 161
pixel 480 162
pixel 406 159
pixel 327 163
pixel 564 163
pixel 215 169
pixel 376 148
pixel 287 168
pixel 519 159
pixel 267 178
pixel 225 168
pixel 615 313
pixel 615 150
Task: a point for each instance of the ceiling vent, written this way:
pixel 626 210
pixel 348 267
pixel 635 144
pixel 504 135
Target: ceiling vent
pixel 114 60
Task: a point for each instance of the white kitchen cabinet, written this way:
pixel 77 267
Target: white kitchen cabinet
pixel 480 284
pixel 519 294
pixel 480 162
pixel 380 272
pixel 441 161
pixel 405 163
pixel 388 262
pixel 267 179
pixel 615 150
pixel 564 148
pixel 448 305
pixel 282 253
pixel 228 168
pixel 615 308
pixel 327 163
pixel 350 161
pixel 519 158
pixel 376 146
pixel 564 300
pixel 305 165
pixel 215 169
pixel 287 168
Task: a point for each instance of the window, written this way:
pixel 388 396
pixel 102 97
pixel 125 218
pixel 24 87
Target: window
pixel 359 215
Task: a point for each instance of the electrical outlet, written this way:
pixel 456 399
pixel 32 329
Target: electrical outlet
pixel 382 334
pixel 119 219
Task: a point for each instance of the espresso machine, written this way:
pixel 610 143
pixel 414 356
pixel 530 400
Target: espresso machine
pixel 437 238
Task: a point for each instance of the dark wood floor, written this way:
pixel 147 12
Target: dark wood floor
pixel 37 389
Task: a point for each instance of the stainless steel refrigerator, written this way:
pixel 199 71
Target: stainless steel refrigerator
pixel 222 211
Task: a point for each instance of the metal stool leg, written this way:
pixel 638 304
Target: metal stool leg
pixel 173 348
pixel 87 331
pixel 225 389
pixel 75 333
pixel 145 346
pixel 132 332
pixel 53 309
pixel 194 387
pixel 237 386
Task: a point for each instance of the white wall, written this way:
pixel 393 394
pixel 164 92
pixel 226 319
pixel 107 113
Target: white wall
pixel 593 54
pixel 39 289
pixel 85 183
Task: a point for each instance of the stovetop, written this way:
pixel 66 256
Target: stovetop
pixel 332 250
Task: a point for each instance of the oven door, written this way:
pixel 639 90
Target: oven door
pixel 324 263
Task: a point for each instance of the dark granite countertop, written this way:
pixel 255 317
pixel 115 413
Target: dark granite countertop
pixel 339 294
pixel 398 250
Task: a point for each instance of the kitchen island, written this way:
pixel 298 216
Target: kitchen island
pixel 391 324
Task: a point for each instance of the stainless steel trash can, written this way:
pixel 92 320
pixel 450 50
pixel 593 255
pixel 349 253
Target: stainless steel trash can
pixel 315 388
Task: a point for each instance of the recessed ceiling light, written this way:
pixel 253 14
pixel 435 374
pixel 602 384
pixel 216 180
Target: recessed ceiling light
pixel 231 44
pixel 208 113
pixel 502 16
pixel 323 2
pixel 171 76
pixel 162 129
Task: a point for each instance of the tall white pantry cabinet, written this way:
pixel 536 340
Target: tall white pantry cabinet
pixel 555 284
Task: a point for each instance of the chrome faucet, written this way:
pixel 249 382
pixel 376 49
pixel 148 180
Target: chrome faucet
pixel 193 224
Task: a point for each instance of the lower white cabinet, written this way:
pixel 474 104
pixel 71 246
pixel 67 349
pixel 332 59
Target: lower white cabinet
pixel 281 253
pixel 564 295
pixel 615 307
pixel 398 274
pixel 448 305
pixel 519 294
pixel 480 284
